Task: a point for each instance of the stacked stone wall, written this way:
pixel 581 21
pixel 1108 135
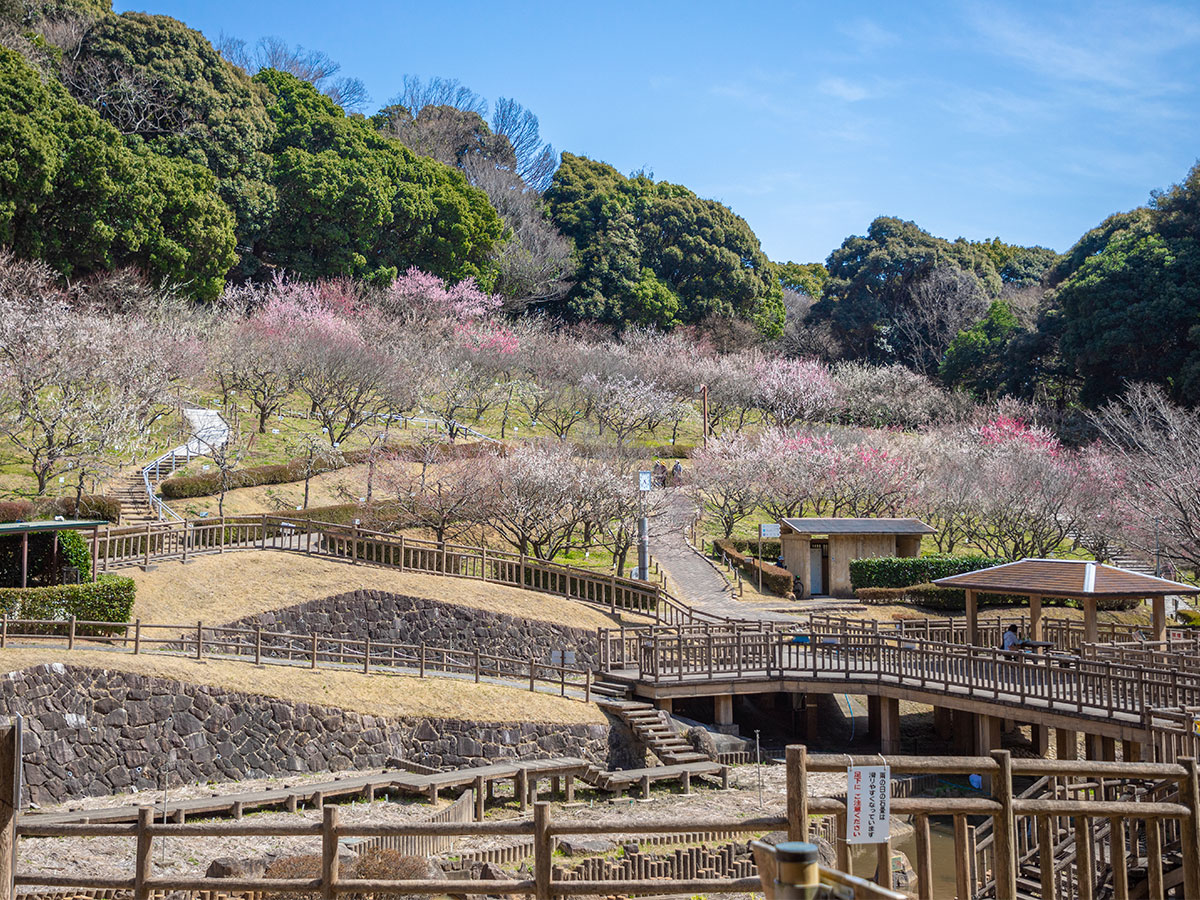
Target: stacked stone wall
pixel 386 617
pixel 91 732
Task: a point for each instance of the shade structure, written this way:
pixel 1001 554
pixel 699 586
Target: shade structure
pixel 1075 579
pixel 24 529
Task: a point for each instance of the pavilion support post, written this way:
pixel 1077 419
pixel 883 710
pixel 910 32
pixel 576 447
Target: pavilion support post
pixel 988 730
pixel 1066 744
pixel 1108 749
pixel 25 559
pixel 1131 751
pixel 1158 606
pixel 889 726
pixel 1091 630
pixel 1035 617
pixel 873 719
pixel 1094 747
pixel 664 703
pixel 943 722
pixel 811 719
pixel 723 710
pixel 965 726
pixel 1039 736
pixel 972 617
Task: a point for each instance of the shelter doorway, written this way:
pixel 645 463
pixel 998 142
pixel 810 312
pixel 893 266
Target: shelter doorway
pixel 818 568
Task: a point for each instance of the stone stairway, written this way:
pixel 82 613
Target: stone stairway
pixel 129 488
pixel 649 727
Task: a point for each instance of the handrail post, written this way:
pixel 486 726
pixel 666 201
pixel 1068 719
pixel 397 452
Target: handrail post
pixel 137 636
pixel 329 853
pixel 71 634
pixel 314 650
pixel 543 850
pixel 796 761
pixel 146 563
pixel 1190 791
pixel 200 640
pixel 367 655
pixel 1003 828
pixel 144 861
pixel 258 645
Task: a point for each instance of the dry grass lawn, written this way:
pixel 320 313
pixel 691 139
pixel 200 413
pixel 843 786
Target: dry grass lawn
pixel 222 587
pixel 377 695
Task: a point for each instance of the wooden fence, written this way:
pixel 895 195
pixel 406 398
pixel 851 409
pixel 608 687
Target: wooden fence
pixel 309 650
pixel 461 810
pixel 157 542
pixel 1133 819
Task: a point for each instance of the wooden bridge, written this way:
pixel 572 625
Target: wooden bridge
pixel 972 689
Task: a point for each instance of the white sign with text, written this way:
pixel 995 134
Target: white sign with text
pixel 644 481
pixel 868 804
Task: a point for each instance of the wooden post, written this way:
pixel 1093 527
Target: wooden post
pixel 25 559
pixel 143 866
pixel 1154 858
pixel 10 802
pixel 543 850
pixel 329 852
pixel 924 862
pixel 521 787
pixel 137 636
pixel 1091 630
pixel 1189 792
pixel 532 665
pixel 972 617
pixel 1035 617
pixel 71 633
pixel 95 549
pixel 1159 617
pixel 796 763
pixel 262 536
pixel 200 640
pixel 587 686
pixel 1116 858
pixel 479 798
pixel 1045 834
pixel 1085 869
pixel 962 859
pixel 1003 826
pixel 107 545
pixel 146 564
pixel 367 655
pixel 314 650
pixel 258 645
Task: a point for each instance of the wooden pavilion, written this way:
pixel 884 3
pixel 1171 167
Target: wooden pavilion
pixel 1073 579
pixel 22 530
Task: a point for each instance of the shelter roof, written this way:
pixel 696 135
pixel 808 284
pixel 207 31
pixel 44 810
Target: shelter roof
pixel 1065 578
pixel 857 526
pixel 7 528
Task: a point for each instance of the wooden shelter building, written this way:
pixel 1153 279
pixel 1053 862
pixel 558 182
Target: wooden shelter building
pixel 1074 579
pixel 818 551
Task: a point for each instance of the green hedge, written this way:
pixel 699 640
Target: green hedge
pixel 777 580
pixel 902 571
pixel 772 548
pixel 108 599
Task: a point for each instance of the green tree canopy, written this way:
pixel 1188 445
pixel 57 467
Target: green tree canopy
pixel 353 202
pixel 872 279
pixel 1017 265
pixel 975 359
pixel 158 81
pixel 805 278
pixel 74 194
pixel 699 250
pixel 1129 294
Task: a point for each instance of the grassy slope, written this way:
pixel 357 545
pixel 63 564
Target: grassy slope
pixel 222 587
pixel 379 695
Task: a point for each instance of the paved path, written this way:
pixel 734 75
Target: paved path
pixel 691 575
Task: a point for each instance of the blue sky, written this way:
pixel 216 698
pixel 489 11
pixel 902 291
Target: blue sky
pixel 1031 121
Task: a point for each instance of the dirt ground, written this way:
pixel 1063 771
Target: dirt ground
pixel 219 588
pixel 177 856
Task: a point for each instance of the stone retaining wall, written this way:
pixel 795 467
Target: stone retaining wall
pixel 91 732
pixel 395 618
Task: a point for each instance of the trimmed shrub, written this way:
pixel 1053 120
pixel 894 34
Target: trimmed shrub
pixel 108 599
pixel 772 548
pixel 902 571
pixel 775 579
pixel 75 552
pixel 91 506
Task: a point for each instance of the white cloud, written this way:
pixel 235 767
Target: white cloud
pixel 843 89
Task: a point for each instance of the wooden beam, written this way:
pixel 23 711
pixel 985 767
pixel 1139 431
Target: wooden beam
pixel 1091 630
pixel 1035 617
pixel 1158 605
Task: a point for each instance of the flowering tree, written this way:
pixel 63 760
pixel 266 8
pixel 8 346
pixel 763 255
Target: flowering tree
pixel 794 471
pixel 726 479
pixel 793 390
pixel 420 295
pixel 866 480
pixel 625 405
pixel 444 498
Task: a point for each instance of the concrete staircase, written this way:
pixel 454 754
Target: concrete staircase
pixel 653 732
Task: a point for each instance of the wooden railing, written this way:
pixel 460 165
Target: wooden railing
pixel 1135 819
pixel 1067 635
pixel 143 545
pixel 1088 688
pixel 309 650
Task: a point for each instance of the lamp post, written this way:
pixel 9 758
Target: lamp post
pixel 702 390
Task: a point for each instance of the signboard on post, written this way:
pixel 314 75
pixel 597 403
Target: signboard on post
pixel 764 531
pixel 868 804
pixel 644 481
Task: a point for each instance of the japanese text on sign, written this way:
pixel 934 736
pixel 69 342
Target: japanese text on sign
pixel 868 804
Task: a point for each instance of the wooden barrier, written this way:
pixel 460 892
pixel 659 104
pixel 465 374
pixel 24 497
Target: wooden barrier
pixel 129 546
pixel 1090 792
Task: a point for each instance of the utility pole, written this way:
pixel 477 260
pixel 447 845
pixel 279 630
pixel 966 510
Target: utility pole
pixel 645 482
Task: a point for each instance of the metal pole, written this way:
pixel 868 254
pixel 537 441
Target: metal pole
pixel 644 548
pixel 758 767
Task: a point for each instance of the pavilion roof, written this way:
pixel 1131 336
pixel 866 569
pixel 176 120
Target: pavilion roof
pixel 7 528
pixel 1065 578
pixel 857 526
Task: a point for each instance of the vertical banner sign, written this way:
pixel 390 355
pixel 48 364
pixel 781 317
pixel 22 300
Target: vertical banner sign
pixel 868 804
pixel 644 481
